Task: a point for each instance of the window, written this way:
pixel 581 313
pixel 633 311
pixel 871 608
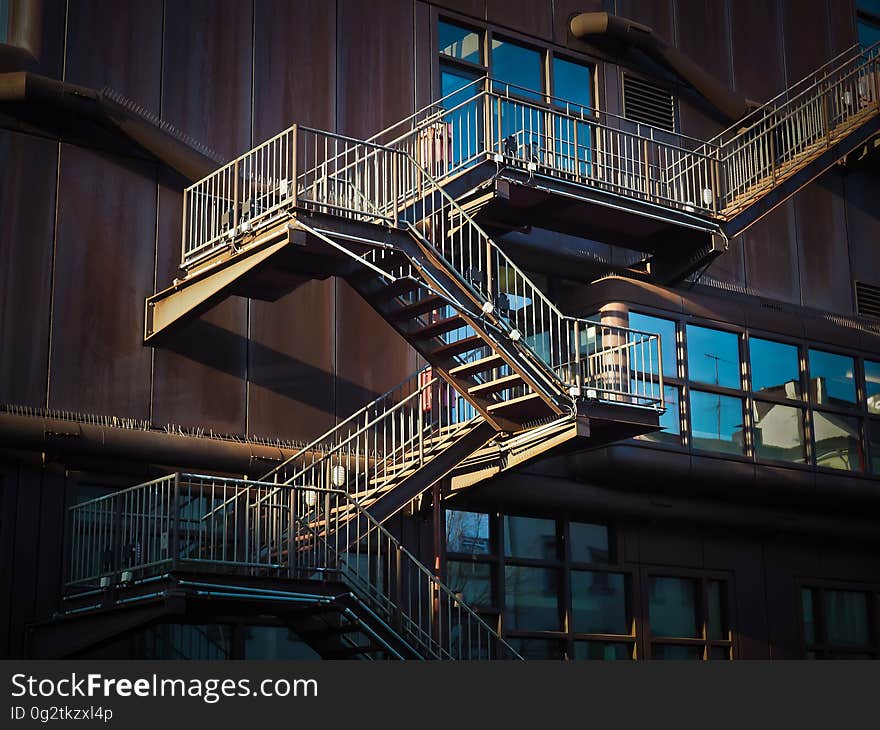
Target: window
pixel 717 422
pixel 831 378
pixel 872 386
pixel 713 356
pixel 775 368
pixel 687 618
pixel 779 432
pixel 666 329
pixel 518 66
pixel 4 20
pixel 552 583
pixel 838 441
pixel 874 439
pixel 868 21
pixel 459 42
pixel 839 624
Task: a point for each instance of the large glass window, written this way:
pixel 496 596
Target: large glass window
pixel 775 368
pixel 572 89
pixel 530 537
pixel 713 356
pixel 519 66
pixel 717 422
pixel 459 42
pixel 868 22
pixel 464 122
pixel 838 441
pixel 533 649
pixel 602 650
pixel 4 20
pixel 666 329
pixel 779 432
pixel 872 386
pixel 874 439
pixel 472 580
pixel 531 597
pixel 832 381
pixel 598 603
pixel 467 532
pixel 839 623
pixel 688 618
pixel 589 543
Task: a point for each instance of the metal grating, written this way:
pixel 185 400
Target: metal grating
pixel 867 299
pixel 647 103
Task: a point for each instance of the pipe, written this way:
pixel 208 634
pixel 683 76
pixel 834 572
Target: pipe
pixel 70 439
pixel 732 105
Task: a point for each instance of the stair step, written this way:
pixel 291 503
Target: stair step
pixel 396 289
pixel 523 408
pixel 423 306
pixel 441 327
pixel 494 386
pixel 456 348
pixel 477 366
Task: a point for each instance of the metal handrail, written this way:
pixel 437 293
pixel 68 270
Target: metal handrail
pixel 301 532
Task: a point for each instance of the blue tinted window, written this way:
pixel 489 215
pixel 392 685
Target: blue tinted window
pixel 838 441
pixel 847 618
pixel 602 650
pixel 717 422
pixel 588 543
pixel 670 421
pixel 666 329
pixel 517 65
pixel 831 378
pixel 869 6
pixel 775 368
pixel 531 598
pixel 872 386
pixel 673 607
pixel 598 603
pixel 4 20
pixel 467 532
pixel 713 356
pixel 472 580
pixel 869 33
pixel 464 120
pixel 779 432
pixel 530 537
pixel 459 42
pixel 572 82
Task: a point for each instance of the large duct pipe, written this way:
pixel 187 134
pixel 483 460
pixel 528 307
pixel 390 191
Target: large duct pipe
pixel 71 440
pixel 636 35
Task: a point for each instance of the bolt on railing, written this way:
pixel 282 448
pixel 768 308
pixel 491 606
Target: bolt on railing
pixel 263 529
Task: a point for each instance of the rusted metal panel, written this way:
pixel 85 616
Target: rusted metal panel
pixel 823 251
pixel 200 378
pixel 104 269
pixel 842 16
pixel 533 17
pixel 375 65
pixel 756 34
pixel 771 256
pixel 473 8
pixel 290 347
pixel 427 77
pixel 862 191
pixel 27 202
pixel 703 35
pixel 806 36
pixel 657 15
pixel 117 45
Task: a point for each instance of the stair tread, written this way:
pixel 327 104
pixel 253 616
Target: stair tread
pixel 477 366
pixel 439 327
pixel 493 386
pixel 423 306
pixel 456 348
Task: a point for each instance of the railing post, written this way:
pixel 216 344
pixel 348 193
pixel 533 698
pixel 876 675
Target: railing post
pixel 826 120
pixel 185 227
pixel 577 355
pixel 294 174
pixel 174 522
pixel 396 161
pixel 235 194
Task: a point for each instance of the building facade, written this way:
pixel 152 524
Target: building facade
pixel 745 528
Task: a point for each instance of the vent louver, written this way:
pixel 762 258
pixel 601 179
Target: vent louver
pixel 647 103
pixel 867 299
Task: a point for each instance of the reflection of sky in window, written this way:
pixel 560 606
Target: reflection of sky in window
pixel 518 65
pixel 666 329
pixel 459 42
pixel 451 81
pixel 872 386
pixel 713 356
pixel 832 377
pixel 467 532
pixel 571 82
pixel 716 420
pixel 774 367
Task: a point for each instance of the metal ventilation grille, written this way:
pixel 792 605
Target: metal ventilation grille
pixel 649 104
pixel 867 299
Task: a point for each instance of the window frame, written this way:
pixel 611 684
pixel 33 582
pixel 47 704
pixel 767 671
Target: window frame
pixel 820 645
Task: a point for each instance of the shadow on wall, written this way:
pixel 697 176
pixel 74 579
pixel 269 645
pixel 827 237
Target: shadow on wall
pixel 220 349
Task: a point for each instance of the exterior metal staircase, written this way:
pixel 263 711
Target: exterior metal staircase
pixel 185 546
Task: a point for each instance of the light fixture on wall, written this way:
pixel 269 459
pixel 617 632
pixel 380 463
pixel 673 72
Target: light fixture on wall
pixel 338 475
